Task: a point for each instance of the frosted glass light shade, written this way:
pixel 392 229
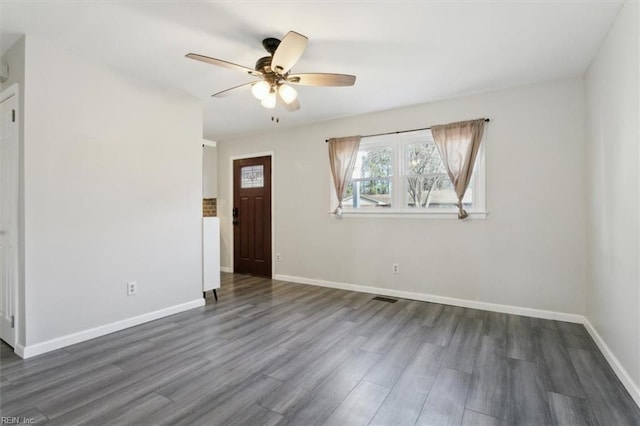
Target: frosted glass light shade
pixel 269 101
pixel 260 89
pixel 287 93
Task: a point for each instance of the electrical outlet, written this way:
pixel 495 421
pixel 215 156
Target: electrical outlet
pixel 278 258
pixel 132 288
pixel 395 268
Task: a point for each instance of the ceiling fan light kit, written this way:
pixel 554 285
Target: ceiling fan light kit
pixel 260 89
pixel 274 72
pixel 287 93
pixel 269 101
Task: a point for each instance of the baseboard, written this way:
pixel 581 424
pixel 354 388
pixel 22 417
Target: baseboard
pixel 474 304
pixel 627 381
pixel 226 269
pixel 81 336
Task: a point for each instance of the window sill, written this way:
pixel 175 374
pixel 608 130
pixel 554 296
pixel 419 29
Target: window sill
pixel 448 214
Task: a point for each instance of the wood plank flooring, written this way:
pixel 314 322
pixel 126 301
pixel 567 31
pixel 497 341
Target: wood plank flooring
pixel 270 352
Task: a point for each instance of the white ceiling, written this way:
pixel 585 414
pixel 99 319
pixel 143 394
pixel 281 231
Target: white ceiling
pixel 402 52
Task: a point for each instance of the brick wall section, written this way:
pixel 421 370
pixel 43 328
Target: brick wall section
pixel 209 207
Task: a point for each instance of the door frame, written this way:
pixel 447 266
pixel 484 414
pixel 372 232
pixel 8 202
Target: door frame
pixel 273 191
pixel 13 91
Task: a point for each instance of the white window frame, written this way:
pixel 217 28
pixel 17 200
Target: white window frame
pixel 397 144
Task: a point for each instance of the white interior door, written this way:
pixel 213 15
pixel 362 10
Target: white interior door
pixel 9 214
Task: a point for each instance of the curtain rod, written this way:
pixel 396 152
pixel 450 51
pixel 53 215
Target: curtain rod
pixel 486 120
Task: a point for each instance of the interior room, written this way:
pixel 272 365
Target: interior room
pixel 320 212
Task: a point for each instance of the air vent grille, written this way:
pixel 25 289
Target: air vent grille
pixel 385 299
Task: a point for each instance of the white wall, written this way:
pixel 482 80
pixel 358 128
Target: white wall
pixel 14 57
pixel 209 172
pixel 113 193
pixel 613 135
pixel 529 252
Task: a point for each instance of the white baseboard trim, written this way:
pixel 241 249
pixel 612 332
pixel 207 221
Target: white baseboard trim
pixel 474 304
pixel 81 336
pixel 226 269
pixel 627 381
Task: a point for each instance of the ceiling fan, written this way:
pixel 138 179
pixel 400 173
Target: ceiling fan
pixel 274 73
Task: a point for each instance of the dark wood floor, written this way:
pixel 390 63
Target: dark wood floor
pixel 270 352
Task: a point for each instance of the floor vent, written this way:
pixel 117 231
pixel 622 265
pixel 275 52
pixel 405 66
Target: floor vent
pixel 385 299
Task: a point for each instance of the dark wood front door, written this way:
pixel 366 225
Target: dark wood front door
pixel 252 216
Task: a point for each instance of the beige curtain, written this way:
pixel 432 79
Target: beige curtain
pixel 343 153
pixel 458 144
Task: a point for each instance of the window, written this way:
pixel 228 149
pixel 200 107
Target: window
pixel 371 179
pixel 252 176
pixel 404 174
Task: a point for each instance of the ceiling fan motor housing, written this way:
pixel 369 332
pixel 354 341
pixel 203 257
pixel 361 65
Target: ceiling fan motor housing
pixel 264 64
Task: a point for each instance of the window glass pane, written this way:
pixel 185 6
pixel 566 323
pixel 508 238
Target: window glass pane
pixel 374 162
pixel 424 191
pixel 423 158
pixel 368 193
pixel 252 177
pixel 434 191
pixel 427 184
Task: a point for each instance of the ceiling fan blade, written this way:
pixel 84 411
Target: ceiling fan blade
pixel 225 64
pixel 233 90
pixel 322 79
pixel 291 107
pixel 288 52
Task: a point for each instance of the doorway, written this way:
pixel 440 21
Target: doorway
pixel 252 216
pixel 9 160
